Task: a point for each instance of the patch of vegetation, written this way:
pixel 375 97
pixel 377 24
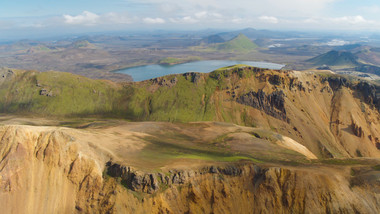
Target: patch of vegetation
pixel 68 95
pixel 60 94
pixel 138 195
pixel 174 61
pixel 219 158
pixel 82 44
pixel 183 102
pixel 161 150
pixel 335 161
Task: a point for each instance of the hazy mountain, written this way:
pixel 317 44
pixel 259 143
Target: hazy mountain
pixel 238 43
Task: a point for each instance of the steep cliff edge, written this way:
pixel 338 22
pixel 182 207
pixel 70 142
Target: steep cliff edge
pixel 62 170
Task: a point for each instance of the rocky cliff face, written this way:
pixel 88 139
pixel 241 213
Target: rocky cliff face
pixel 333 116
pixel 272 104
pixel 47 170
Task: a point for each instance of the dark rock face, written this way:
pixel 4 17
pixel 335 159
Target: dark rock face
pixel 276 80
pixel 272 104
pixel 296 84
pixel 194 77
pixel 357 130
pixel 337 82
pixel 162 81
pixel 134 180
pixel 151 182
pixel 370 92
pixel 230 170
pixel 45 92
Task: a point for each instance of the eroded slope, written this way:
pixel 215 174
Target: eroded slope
pixel 64 170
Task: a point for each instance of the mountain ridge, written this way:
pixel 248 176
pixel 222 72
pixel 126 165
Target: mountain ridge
pixel 193 142
pixel 291 102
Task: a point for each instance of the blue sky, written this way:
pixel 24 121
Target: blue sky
pixel 34 16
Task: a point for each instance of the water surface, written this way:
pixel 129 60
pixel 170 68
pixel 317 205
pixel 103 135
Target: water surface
pixel 146 72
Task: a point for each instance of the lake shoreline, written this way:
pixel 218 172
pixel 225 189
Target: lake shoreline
pixel 146 72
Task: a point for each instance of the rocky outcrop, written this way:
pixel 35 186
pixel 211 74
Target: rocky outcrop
pixel 295 84
pixel 45 92
pixel 369 92
pixel 192 76
pixel 357 130
pixel 162 81
pixel 276 80
pixel 132 179
pixel 5 75
pixel 272 104
pixel 337 82
pixel 139 181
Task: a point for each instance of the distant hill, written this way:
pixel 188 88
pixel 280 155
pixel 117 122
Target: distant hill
pixel 369 55
pixel 213 39
pixel 335 58
pixel 82 44
pixel 344 60
pixel 349 47
pixel 256 34
pixel 38 48
pixel 239 43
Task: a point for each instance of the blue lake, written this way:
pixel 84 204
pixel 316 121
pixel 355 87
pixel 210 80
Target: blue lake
pixel 146 72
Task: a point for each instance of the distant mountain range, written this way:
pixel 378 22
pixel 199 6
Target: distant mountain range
pixel 213 39
pixel 239 43
pixel 351 57
pixel 256 34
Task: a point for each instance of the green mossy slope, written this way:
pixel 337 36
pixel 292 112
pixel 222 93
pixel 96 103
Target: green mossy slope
pixel 57 93
pixel 240 43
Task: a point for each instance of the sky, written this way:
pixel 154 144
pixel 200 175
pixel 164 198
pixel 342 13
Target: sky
pixel 44 17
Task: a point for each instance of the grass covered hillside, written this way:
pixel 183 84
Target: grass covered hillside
pixel 56 93
pixel 240 43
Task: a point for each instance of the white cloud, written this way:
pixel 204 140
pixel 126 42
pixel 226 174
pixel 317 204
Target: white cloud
pixel 116 18
pixel 86 18
pixel 201 14
pixel 337 42
pixel 311 21
pixel 269 19
pixel 227 7
pixel 189 19
pixel 91 19
pixel 149 20
pixel 206 14
pixel 290 14
pixel 237 20
pixel 351 20
pixel 184 20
